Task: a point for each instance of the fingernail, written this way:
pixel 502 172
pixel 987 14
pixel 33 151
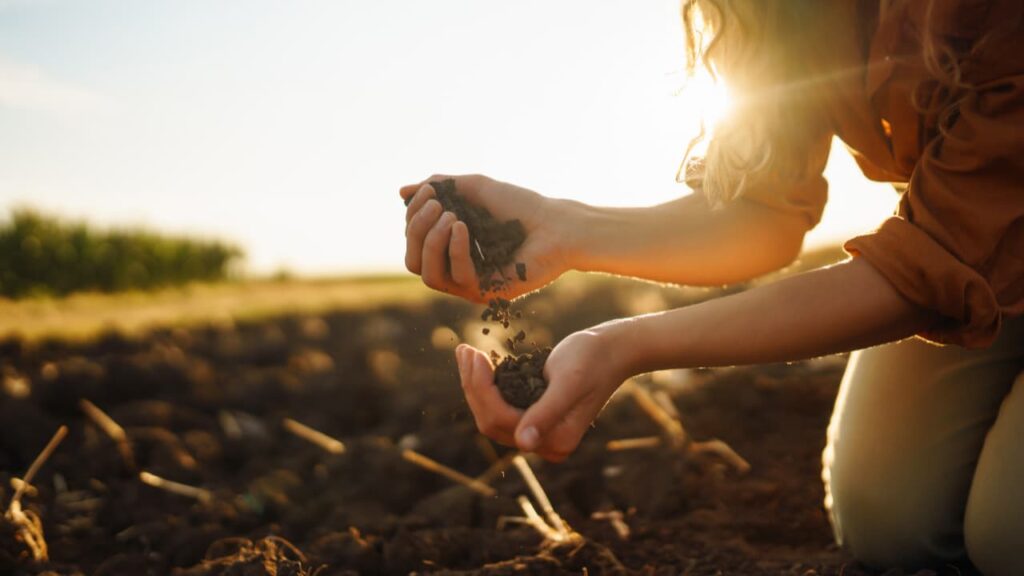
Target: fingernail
pixel 460 358
pixel 529 439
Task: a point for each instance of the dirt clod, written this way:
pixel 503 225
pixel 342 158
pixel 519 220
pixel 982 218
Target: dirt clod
pixel 520 379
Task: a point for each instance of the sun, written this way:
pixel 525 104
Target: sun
pixel 709 98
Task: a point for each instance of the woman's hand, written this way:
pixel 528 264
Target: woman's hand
pixel 583 372
pixel 438 246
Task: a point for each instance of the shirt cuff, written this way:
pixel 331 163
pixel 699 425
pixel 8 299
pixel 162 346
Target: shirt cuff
pixel 928 275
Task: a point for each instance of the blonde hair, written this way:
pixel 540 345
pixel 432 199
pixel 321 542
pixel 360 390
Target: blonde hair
pixel 758 46
pixel 761 47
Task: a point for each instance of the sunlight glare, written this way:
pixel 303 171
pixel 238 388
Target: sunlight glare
pixel 712 99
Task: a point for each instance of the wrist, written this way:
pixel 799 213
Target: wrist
pixel 571 219
pixel 621 339
pixel 657 341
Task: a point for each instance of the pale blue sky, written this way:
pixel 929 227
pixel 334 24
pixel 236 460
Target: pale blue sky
pixel 287 127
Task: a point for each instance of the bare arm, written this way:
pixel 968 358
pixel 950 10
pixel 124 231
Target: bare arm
pixel 685 241
pixel 844 307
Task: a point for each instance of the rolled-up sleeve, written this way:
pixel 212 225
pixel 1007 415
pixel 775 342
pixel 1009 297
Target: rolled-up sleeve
pixel 803 194
pixel 956 243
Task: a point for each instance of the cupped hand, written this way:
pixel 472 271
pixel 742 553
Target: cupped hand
pixel 438 246
pixel 583 372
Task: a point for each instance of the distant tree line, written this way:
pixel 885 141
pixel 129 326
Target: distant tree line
pixel 43 255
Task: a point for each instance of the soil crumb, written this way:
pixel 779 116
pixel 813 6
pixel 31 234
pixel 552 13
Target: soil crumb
pixel 500 311
pixel 520 379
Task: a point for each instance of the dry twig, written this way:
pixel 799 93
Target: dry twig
pixel 497 468
pixel 332 445
pixel 660 408
pixel 453 475
pixel 617 520
pixel 201 494
pixel 27 522
pixel 533 484
pixel 111 429
pixel 533 519
pixel 633 443
pixel 672 427
pixel 724 451
pixel 486 448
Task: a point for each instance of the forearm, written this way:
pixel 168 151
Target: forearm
pixel 846 307
pixel 684 241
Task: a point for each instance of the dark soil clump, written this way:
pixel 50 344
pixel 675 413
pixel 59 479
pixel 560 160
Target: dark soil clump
pixel 493 243
pixel 520 379
pixel 500 311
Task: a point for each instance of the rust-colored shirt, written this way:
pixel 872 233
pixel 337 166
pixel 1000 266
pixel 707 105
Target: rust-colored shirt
pixel 956 242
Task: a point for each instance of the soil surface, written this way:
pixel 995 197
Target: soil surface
pixel 205 407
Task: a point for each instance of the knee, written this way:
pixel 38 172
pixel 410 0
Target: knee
pixel 888 520
pixel 992 532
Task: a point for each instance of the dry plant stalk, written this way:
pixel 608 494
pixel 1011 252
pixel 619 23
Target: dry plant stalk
pixel 633 443
pixel 496 469
pixel 663 412
pixel 229 424
pixel 28 523
pixel 201 494
pixel 41 459
pixel 724 451
pixel 28 489
pixel 533 519
pixel 556 521
pixel 486 448
pixel 332 445
pixel 453 475
pixel 666 403
pixel 617 519
pixel 111 429
pixel 672 427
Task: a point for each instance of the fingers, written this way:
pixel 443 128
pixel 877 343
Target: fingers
pixel 494 417
pixel 434 261
pixel 416 201
pixel 468 186
pixel 545 425
pixel 462 269
pixel 416 232
pixel 407 192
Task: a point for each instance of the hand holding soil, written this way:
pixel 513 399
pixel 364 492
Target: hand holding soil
pixel 458 243
pixel 439 246
pixel 581 376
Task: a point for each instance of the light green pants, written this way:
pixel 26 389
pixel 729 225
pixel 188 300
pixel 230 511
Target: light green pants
pixel 925 455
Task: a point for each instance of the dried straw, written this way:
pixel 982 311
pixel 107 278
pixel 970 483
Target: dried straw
pixel 41 459
pixel 671 426
pixel 28 523
pixel 633 443
pixel 453 475
pixel 538 493
pixel 111 429
pixel 201 494
pixel 332 445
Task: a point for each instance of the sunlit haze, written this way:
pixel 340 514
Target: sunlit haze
pixel 287 127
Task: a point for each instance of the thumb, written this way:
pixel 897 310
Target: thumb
pixel 540 419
